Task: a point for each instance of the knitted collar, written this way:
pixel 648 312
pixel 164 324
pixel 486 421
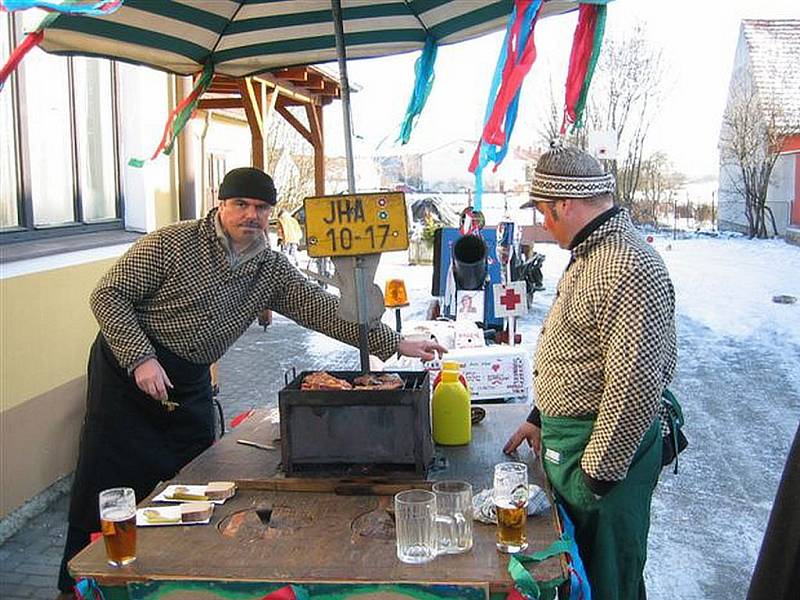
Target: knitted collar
pixel 592 226
pixel 613 220
pixel 213 229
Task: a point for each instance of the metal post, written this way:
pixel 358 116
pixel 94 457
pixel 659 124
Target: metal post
pixel 398 320
pixel 341 52
pixel 361 288
pixel 361 308
pixel 674 200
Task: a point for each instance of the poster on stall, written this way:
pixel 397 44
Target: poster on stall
pixel 469 305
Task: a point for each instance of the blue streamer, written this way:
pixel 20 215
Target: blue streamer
pixel 87 589
pixel 423 83
pixel 491 152
pixel 93 9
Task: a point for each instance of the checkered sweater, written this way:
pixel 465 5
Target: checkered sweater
pixel 607 346
pixel 177 287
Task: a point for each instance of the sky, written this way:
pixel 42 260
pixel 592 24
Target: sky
pixel 698 38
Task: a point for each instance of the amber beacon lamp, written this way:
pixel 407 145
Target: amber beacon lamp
pixel 396 297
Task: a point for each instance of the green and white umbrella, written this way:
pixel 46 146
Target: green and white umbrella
pixel 251 36
pixel 240 38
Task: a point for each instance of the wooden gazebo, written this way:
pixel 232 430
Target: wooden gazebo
pixel 264 95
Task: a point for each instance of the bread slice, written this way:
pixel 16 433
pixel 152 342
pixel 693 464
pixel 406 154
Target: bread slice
pixel 220 490
pixel 192 512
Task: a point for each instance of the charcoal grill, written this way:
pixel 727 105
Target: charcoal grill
pixel 367 432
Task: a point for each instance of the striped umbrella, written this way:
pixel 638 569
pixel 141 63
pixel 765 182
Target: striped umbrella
pixel 251 36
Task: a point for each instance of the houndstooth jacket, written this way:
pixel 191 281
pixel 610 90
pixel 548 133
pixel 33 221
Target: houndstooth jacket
pixel 176 286
pixel 607 347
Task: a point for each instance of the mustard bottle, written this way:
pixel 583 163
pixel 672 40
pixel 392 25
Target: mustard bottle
pixel 451 365
pixel 452 425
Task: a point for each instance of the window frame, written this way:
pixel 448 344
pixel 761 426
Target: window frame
pixel 26 229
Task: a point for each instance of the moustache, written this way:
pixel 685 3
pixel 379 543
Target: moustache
pixel 251 225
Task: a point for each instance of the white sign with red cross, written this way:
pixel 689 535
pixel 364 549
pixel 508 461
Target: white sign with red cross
pixel 509 299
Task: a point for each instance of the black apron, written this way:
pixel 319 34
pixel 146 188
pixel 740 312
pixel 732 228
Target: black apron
pixel 128 438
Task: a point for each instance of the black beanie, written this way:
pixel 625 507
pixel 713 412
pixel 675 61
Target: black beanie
pixel 248 182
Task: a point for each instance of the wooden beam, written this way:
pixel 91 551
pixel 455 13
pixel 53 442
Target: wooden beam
pixel 288 89
pixel 332 88
pixel 293 74
pixel 253 112
pixel 314 82
pixel 212 103
pixel 319 151
pixel 297 125
pixel 227 88
pixel 315 121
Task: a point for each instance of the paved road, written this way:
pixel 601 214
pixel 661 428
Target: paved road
pixel 741 397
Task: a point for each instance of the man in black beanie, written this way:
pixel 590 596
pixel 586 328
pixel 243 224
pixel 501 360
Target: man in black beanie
pixel 170 307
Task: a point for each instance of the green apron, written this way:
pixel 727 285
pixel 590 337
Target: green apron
pixel 611 532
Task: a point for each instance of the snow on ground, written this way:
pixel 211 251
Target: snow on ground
pixel 738 379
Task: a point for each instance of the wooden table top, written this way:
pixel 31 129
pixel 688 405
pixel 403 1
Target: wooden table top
pixel 319 530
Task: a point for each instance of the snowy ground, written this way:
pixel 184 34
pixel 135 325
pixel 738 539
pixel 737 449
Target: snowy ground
pixel 738 380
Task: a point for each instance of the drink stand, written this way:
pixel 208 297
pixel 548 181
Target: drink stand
pixel 324 536
pixel 299 537
pixel 314 518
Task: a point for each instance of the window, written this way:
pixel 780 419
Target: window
pixel 59 168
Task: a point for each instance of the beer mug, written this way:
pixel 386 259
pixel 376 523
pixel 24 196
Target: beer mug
pixel 118 523
pixel 418 526
pixel 511 504
pixel 454 501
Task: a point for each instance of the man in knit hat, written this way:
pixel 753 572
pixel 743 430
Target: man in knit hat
pixel 170 307
pixel 605 353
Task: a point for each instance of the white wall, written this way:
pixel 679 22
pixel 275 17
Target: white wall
pixel 143 106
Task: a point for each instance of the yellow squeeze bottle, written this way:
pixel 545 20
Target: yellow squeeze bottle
pixel 452 424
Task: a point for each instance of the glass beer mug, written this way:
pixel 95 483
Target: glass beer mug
pixel 511 504
pixel 118 523
pixel 454 501
pixel 422 534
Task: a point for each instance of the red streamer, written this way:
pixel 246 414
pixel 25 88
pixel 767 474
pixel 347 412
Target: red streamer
pixel 181 106
pixel 518 63
pixel 582 45
pixel 284 593
pixel 31 40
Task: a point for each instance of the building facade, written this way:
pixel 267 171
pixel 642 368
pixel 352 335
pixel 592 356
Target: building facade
pixel 765 76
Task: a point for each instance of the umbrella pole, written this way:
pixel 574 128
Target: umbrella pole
pixel 361 288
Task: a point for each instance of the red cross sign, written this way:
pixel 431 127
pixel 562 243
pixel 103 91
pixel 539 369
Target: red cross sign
pixel 509 299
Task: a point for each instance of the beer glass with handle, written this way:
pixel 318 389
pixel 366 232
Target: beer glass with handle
pixel 511 504
pixel 118 523
pixel 454 501
pixel 419 527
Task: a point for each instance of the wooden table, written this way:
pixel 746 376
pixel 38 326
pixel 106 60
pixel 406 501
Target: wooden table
pixel 332 537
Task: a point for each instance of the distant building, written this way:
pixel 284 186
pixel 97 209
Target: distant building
pixel 766 62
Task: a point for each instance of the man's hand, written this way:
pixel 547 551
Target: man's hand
pixel 526 431
pixel 152 379
pixel 424 349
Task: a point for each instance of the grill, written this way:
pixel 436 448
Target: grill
pixel 356 432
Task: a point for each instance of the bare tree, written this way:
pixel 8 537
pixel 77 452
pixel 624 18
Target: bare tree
pixel 627 91
pixel 754 130
pixel 290 160
pixel 549 128
pixel 658 179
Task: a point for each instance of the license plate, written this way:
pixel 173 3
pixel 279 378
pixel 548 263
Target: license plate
pixel 356 224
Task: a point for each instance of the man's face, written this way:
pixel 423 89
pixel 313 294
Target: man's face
pixel 244 219
pixel 553 220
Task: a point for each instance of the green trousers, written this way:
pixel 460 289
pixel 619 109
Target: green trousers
pixel 611 532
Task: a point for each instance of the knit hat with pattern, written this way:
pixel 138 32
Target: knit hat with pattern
pixel 568 173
